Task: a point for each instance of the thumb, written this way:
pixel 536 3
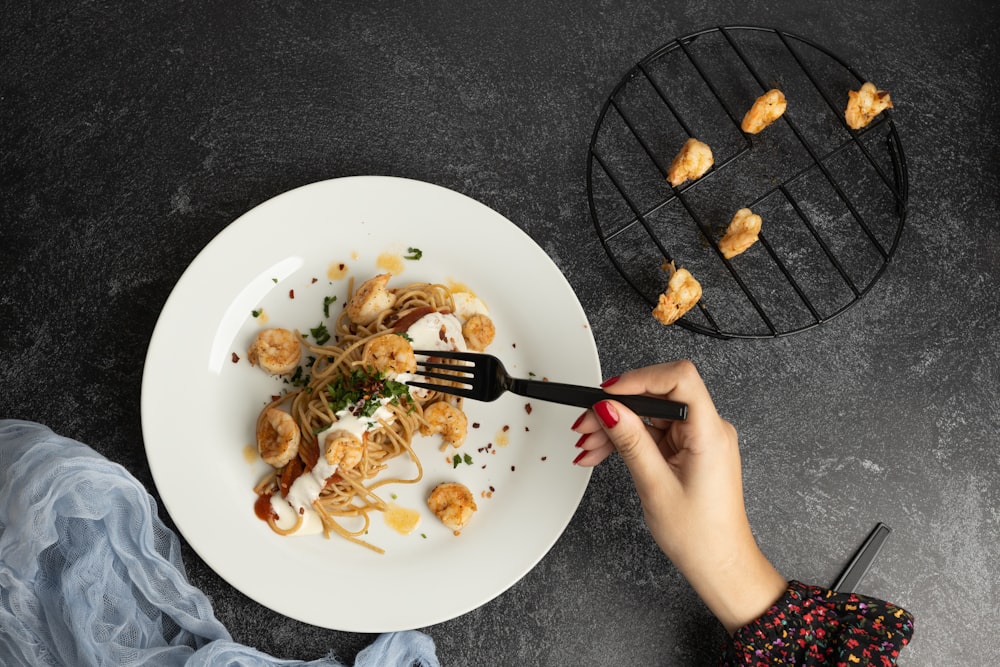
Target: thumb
pixel 640 453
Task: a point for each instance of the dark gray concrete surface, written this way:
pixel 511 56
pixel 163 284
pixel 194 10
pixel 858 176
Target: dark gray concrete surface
pixel 132 133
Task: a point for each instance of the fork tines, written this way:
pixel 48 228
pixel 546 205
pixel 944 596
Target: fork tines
pixel 458 378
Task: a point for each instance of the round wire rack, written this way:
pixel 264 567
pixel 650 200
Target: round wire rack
pixel 833 200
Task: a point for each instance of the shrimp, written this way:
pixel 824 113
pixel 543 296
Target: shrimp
pixel 682 293
pixel 864 104
pixel 478 332
pixel 444 418
pixel 453 503
pixel 343 449
pixel 693 160
pixel 370 299
pixel 277 437
pixel 277 351
pixel 741 233
pixel 765 110
pixel 390 352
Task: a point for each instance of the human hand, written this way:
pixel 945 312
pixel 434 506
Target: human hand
pixel 688 477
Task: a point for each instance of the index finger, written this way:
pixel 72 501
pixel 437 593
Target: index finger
pixel 676 380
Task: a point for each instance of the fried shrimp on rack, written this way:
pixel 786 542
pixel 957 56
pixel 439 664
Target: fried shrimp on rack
pixel 864 104
pixel 453 503
pixel 742 233
pixel 765 110
pixel 448 420
pixel 478 332
pixel 343 449
pixel 390 353
pixel 693 160
pixel 370 299
pixel 277 351
pixel 277 437
pixel 682 293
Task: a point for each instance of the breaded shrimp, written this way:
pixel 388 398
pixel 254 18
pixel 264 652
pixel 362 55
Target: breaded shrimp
pixel 277 437
pixel 478 332
pixel 343 449
pixel 277 351
pixel 453 503
pixel 390 353
pixel 693 160
pixel 741 233
pixel 682 293
pixel 864 104
pixel 448 420
pixel 765 110
pixel 370 299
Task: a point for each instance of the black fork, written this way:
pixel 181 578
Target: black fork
pixel 483 378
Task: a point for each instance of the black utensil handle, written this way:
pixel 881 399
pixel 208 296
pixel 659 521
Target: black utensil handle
pixel 862 560
pixel 585 397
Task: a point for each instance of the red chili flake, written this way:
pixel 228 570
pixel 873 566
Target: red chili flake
pixel 544 457
pixel 475 424
pixel 492 489
pixel 443 335
pixel 291 294
pixel 274 398
pixel 514 345
pixel 484 466
pixel 236 358
pixel 506 428
pixel 341 266
pixel 314 280
pixel 527 408
pixel 526 429
pixel 512 468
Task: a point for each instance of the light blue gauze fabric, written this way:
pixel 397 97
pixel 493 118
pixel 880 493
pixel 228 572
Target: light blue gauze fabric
pixel 89 575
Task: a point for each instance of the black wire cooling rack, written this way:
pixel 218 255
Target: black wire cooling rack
pixel 833 200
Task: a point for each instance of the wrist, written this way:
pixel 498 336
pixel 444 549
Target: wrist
pixel 737 586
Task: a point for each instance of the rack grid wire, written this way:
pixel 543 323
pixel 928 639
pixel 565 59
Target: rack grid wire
pixel 833 200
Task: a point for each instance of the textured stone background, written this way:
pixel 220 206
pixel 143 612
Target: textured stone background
pixel 131 134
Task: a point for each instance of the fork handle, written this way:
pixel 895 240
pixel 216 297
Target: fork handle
pixel 585 397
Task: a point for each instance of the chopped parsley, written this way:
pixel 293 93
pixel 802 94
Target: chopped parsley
pixel 405 336
pixel 361 393
pixel 456 460
pixel 327 300
pixel 415 253
pixel 255 313
pixel 320 334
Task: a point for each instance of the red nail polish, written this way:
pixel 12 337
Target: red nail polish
pixel 583 438
pixel 579 420
pixel 607 414
pixel 610 381
pixel 579 456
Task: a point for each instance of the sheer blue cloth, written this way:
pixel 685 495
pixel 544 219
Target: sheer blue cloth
pixel 89 574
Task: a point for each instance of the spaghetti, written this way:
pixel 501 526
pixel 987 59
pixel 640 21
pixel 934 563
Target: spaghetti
pixel 354 413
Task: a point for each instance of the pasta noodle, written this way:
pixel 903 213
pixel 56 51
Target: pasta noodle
pixel 353 412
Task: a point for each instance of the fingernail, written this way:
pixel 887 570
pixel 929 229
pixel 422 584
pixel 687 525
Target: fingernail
pixel 606 413
pixel 583 438
pixel 579 456
pixel 610 381
pixel 578 421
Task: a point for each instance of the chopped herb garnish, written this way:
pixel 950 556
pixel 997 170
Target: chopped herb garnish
pixel 327 300
pixel 530 374
pixel 405 336
pixel 393 496
pixel 255 313
pixel 274 280
pixel 423 535
pixel 455 461
pixel 415 253
pixel 362 392
pixel 320 334
pixel 467 459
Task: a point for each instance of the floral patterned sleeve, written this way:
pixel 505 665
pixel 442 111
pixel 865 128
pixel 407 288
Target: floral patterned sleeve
pixel 815 626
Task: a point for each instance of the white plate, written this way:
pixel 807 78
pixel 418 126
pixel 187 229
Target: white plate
pixel 199 407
